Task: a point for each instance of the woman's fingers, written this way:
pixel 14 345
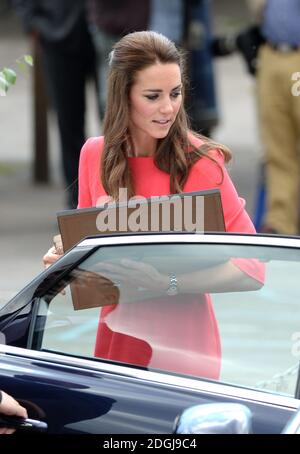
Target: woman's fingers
pixel 6 431
pixel 51 256
pixel 9 406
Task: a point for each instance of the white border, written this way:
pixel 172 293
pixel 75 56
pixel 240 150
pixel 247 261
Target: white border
pixel 227 238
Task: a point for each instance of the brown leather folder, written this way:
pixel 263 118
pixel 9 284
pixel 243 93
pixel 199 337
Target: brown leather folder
pixel 74 225
pixel 201 211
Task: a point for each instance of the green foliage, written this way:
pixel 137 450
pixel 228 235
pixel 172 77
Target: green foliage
pixel 8 76
pixel 28 59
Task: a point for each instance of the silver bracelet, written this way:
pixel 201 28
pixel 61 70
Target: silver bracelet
pixel 173 285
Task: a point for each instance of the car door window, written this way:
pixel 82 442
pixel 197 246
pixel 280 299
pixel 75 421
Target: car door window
pixel 261 332
pixel 242 331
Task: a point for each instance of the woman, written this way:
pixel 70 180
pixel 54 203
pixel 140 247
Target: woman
pixel 149 150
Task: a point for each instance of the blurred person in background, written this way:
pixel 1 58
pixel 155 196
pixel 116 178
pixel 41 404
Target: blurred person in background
pixel 279 110
pixel 108 21
pixel 68 60
pixel 198 39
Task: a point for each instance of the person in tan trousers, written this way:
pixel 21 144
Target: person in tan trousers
pixel 279 110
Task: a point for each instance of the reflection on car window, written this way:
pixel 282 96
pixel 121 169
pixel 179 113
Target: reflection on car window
pixel 229 318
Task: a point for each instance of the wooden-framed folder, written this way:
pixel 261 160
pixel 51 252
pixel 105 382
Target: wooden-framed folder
pixel 74 225
pixel 91 289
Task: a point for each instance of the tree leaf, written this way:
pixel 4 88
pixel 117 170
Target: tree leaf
pixel 28 59
pixel 10 76
pixel 4 85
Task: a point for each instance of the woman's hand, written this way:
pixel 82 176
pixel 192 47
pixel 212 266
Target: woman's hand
pixel 135 275
pixel 51 256
pixel 10 407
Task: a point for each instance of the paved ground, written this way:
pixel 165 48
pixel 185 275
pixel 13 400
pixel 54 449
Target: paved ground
pixel 28 212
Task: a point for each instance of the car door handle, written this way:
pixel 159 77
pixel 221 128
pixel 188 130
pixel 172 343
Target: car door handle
pixel 23 424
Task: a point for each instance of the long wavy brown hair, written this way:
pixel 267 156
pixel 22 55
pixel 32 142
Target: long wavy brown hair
pixel 175 153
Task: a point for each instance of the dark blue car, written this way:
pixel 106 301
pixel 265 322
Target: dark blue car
pixel 49 331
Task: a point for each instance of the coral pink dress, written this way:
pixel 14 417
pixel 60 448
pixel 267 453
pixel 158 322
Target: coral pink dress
pixel 161 334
